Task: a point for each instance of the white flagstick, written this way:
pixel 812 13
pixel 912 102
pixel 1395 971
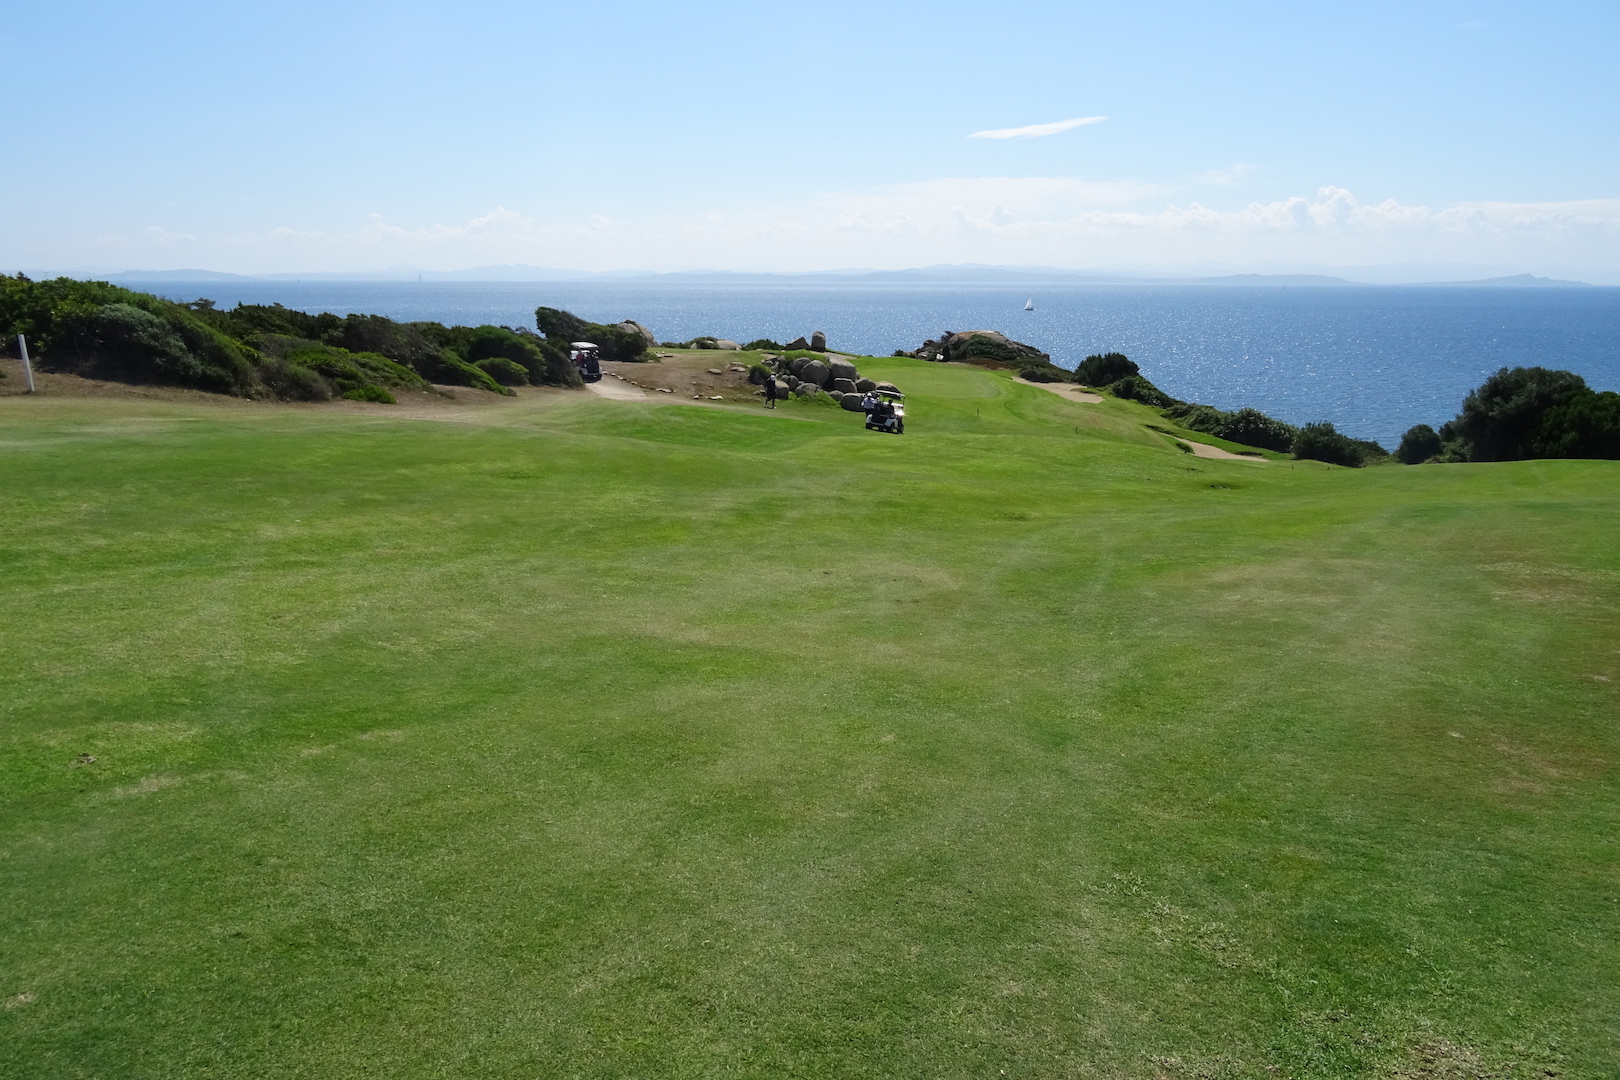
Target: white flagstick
pixel 28 368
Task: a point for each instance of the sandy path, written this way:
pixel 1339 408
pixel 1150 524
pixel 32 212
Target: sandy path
pixel 1066 391
pixel 617 390
pixel 1204 450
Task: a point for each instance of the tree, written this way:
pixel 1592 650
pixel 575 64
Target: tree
pixel 1322 442
pixel 1105 369
pixel 1420 443
pixel 1502 420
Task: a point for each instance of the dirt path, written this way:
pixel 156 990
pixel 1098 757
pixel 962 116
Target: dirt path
pixel 1066 391
pixel 617 390
pixel 1204 450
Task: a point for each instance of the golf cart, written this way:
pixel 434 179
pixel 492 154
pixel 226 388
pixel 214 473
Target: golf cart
pixel 885 411
pixel 584 355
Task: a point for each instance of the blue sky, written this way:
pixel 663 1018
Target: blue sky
pixel 256 137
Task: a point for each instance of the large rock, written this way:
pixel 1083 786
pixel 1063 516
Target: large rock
pixel 796 365
pixel 979 346
pixel 796 343
pixel 815 371
pixel 852 402
pixel 836 394
pixel 889 386
pixel 846 385
pixel 722 343
pixel 818 341
pixel 863 385
pixel 793 382
pixel 636 328
pixel 839 368
pixel 807 390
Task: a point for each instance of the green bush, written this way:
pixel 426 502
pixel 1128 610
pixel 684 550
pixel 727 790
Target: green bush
pixel 1585 426
pixel 758 374
pixel 1420 443
pixel 503 371
pixel 370 393
pixel 1322 442
pixel 1105 369
pixel 615 343
pixel 1136 388
pixel 762 345
pixel 1252 427
pixel 544 363
pixel 1533 412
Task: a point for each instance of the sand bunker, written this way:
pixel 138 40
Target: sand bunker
pixel 1066 391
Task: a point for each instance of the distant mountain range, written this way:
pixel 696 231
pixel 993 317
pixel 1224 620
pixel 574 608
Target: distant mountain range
pixel 957 274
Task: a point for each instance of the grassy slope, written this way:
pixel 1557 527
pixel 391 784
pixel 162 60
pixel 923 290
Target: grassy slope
pixel 598 739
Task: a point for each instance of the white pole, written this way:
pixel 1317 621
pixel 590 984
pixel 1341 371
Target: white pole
pixel 28 368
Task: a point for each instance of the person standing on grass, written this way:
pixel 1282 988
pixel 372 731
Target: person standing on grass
pixel 770 392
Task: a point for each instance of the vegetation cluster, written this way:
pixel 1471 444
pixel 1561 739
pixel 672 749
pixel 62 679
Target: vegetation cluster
pixel 621 343
pixel 1122 377
pixel 99 330
pixel 1520 413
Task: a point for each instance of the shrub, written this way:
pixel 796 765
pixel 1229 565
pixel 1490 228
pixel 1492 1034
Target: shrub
pixel 1321 442
pixel 1136 388
pixel 616 343
pixel 1252 427
pixel 370 393
pixel 1420 443
pixel 763 345
pixel 758 374
pixel 1503 418
pixel 125 342
pixel 504 371
pixel 1105 369
pixel 1585 426
pixel 294 382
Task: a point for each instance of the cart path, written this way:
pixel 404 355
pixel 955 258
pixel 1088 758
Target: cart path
pixel 617 390
pixel 1066 391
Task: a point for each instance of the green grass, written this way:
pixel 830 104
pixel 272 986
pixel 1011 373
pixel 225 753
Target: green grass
pixel 593 739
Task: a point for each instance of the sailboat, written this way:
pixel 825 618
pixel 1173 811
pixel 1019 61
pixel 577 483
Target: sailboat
pixel 1029 305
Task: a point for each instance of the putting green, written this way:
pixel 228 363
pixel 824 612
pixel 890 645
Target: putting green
pixel 593 738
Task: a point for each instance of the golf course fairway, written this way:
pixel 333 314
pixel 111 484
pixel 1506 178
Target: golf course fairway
pixel 579 738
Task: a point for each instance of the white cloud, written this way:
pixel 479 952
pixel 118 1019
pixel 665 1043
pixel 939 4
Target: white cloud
pixel 1058 221
pixel 1035 131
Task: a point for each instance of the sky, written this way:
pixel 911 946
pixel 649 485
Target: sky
pixel 253 137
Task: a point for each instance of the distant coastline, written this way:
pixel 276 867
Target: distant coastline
pixel 930 275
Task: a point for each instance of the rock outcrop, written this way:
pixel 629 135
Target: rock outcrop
pixel 815 371
pixel 635 327
pixel 796 343
pixel 839 368
pixel 818 342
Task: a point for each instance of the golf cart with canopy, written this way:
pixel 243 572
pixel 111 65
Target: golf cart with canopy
pixel 885 410
pixel 585 356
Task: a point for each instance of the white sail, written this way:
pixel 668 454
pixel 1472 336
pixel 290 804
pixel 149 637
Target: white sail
pixel 1029 305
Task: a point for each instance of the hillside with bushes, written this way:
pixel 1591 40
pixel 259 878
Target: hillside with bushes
pixel 104 331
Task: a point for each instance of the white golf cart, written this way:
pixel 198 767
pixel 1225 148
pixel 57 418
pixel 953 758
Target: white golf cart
pixel 585 356
pixel 885 411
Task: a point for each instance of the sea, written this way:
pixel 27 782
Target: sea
pixel 1373 360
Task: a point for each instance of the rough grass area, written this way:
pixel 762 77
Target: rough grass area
pixel 593 739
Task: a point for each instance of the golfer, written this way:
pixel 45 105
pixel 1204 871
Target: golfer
pixel 770 392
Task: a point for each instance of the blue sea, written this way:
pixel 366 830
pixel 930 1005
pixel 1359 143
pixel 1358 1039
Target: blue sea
pixel 1372 359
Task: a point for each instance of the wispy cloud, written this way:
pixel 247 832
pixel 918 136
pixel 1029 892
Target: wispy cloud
pixel 1035 131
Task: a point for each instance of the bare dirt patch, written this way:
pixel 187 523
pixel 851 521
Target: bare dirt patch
pixel 689 375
